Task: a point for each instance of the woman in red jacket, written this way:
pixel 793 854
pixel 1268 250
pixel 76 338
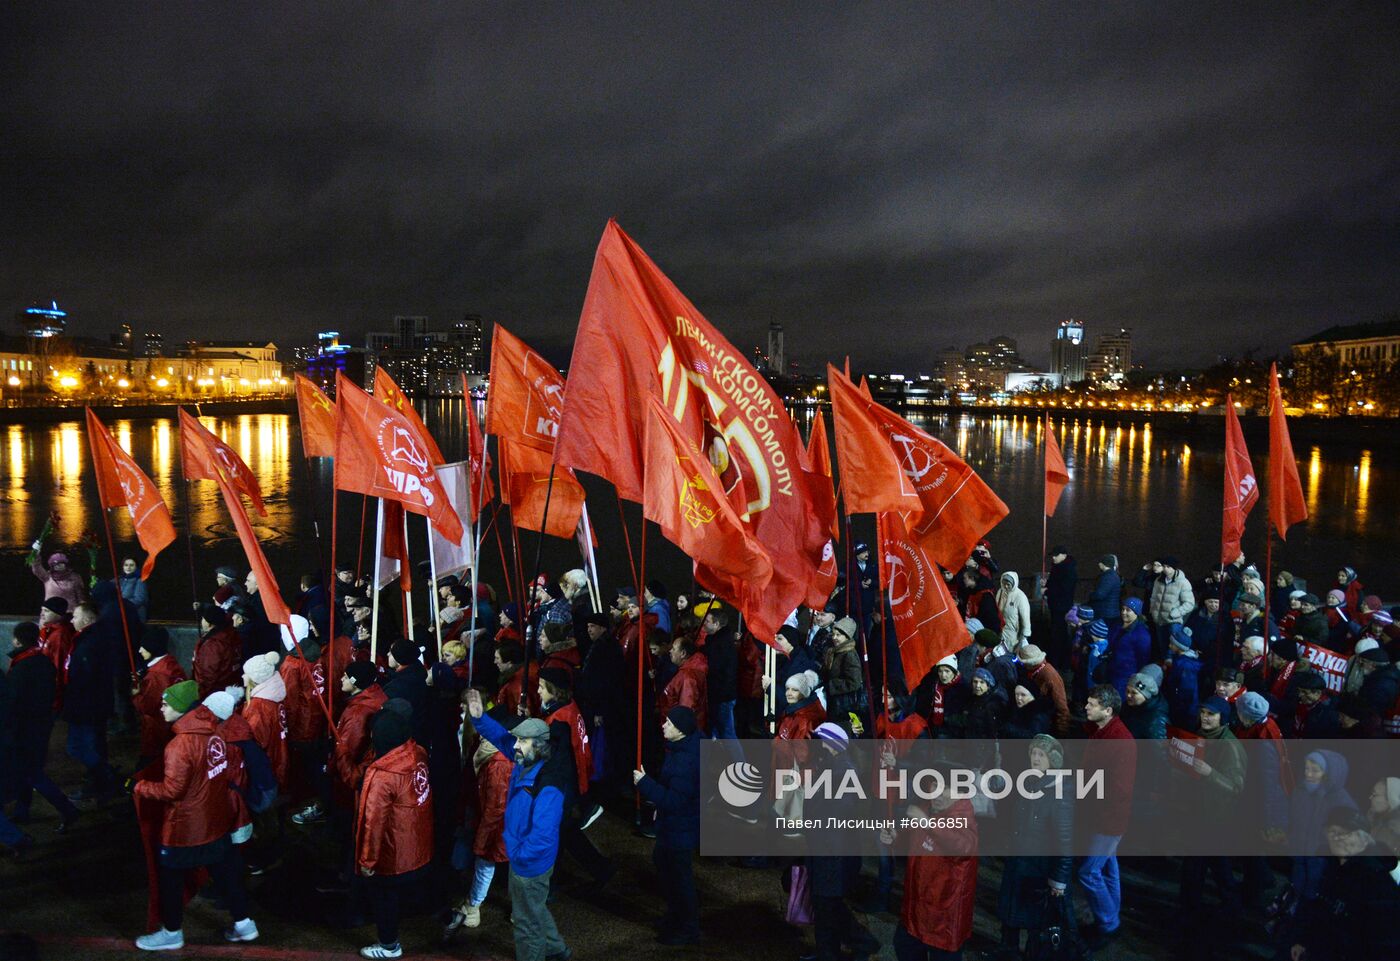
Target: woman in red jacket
pixel 197 822
pixel 940 883
pixel 162 671
pixel 266 711
pixel 393 825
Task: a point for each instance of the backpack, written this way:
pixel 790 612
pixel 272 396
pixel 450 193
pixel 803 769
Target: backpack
pixel 261 792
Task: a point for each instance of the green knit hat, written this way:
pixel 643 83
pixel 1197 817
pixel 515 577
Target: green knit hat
pixel 182 697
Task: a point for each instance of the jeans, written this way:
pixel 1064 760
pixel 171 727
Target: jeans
pixel 87 744
pixel 675 869
pixel 228 879
pixel 724 729
pixel 482 874
pixel 27 784
pixel 1098 875
pixel 909 948
pixel 536 935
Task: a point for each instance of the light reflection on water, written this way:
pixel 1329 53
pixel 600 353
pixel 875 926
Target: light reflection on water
pixel 1134 492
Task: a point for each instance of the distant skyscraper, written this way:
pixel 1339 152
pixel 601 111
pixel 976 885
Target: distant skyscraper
pixel 410 330
pixel 777 353
pixel 123 338
pixel 1069 352
pixel 378 340
pixel 1112 357
pixel 467 334
pixel 152 344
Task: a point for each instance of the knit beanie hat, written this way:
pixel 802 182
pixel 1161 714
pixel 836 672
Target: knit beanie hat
pixel 1084 612
pixel 1216 705
pixel 1134 604
pixel 1365 644
pixel 156 640
pixel 222 704
pixel 1098 628
pixel 213 615
pixel 560 677
pixel 1145 685
pixel 803 682
pixel 982 674
pixel 1154 672
pixel 833 734
pixel 1052 748
pixel 398 705
pixel 1285 647
pixel 404 651
pixel 390 730
pixel 363 673
pixel 683 718
pixel 1252 708
pixel 986 638
pixel 296 633
pixel 847 626
pixel 181 697
pixel 59 605
pixel 1030 655
pixel 260 667
pixel 1110 561
pixel 949 661
pixel 1181 637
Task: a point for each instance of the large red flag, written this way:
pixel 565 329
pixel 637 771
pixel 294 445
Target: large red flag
pixel 379 453
pixel 317 416
pixel 684 497
pixel 525 486
pixel 199 448
pixel 639 337
pixel 120 483
pixel 888 464
pixel 526 396
pixel 478 461
pixel 925 616
pixel 395 546
pixel 386 390
pixel 1286 504
pixel 202 455
pixel 1056 473
pixel 1241 489
pixel 819 462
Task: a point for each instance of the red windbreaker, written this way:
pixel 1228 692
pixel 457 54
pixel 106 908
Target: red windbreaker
pixel 306 691
pixel 687 688
pixel 352 743
pixel 940 881
pixel 578 741
pixel 216 661
pixel 195 785
pixel 155 732
pixel 234 730
pixel 268 719
pixel 56 641
pixel 509 694
pixel 394 814
pixel 492 791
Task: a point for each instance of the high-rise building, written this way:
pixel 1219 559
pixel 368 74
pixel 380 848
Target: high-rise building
pixel 988 364
pixel 123 338
pixel 1112 357
pixel 954 367
pixel 410 331
pixel 777 353
pixel 152 344
pixel 378 340
pixel 1069 352
pixel 42 322
pixel 467 334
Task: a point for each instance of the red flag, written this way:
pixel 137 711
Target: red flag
pixel 202 455
pixel 386 390
pixel 379 453
pixel 639 337
pixel 1286 505
pixel 395 547
pixel 888 464
pixel 317 416
pixel 526 396
pixel 1056 473
pixel 684 497
pixel 525 486
pixel 120 483
pixel 1241 489
pixel 819 462
pixel 199 449
pixel 925 616
pixel 478 461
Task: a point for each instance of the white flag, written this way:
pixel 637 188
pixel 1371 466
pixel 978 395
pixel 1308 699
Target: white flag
pixel 448 557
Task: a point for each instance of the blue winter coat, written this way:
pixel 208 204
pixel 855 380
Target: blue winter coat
pixel 1183 691
pixel 1129 651
pixel 676 795
pixel 534 806
pixel 1107 596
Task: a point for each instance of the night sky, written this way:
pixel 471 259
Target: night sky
pixel 884 180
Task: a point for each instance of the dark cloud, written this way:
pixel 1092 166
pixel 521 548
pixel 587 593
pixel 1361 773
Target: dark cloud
pixel 1214 176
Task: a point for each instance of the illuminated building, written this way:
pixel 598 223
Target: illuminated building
pixel 1112 357
pixel 1356 344
pixel 1069 353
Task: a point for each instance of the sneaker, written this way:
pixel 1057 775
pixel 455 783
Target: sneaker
pixel 161 940
pixel 310 814
pixel 591 816
pixel 394 950
pixel 647 831
pixel 471 916
pixel 245 930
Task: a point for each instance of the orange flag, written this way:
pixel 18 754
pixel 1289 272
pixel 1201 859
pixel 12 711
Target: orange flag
pixel 526 396
pixel 395 546
pixel 1056 473
pixel 1241 489
pixel 202 455
pixel 478 461
pixel 379 453
pixel 120 483
pixel 268 590
pixel 925 616
pixel 684 497
pixel 819 461
pixel 386 390
pixel 1286 505
pixel 638 338
pixel 525 485
pixel 888 464
pixel 317 416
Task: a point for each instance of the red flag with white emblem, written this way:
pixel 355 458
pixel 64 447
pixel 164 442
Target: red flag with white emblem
pixel 120 483
pixel 925 616
pixel 202 455
pixel 1241 488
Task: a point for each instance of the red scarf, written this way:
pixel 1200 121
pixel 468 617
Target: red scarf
pixel 1280 686
pixel 935 714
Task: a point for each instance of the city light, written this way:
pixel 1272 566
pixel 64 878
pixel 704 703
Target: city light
pixel 67 381
pixel 123 383
pixel 162 382
pixel 14 381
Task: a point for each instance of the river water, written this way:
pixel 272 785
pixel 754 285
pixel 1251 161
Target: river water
pixel 1132 493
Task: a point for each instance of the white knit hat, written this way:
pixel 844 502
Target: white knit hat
pixel 803 682
pixel 301 627
pixel 260 667
pixel 222 704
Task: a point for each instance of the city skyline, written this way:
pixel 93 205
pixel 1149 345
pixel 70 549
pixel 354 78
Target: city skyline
pixel 932 176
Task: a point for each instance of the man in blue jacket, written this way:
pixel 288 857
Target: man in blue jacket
pixel 534 808
pixel 675 793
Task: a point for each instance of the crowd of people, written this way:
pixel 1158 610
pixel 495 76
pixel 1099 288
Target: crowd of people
pixel 500 736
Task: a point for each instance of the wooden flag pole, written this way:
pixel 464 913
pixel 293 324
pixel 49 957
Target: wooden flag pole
pixel 121 605
pixel 374 584
pixel 360 550
pixel 333 682
pixel 407 570
pixel 189 546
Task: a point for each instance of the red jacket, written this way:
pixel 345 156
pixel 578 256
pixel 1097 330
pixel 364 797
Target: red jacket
pixel 233 731
pixel 306 692
pixel 940 881
pixel 899 736
pixel 509 695
pixel 749 676
pixel 794 733
pixel 394 815
pixel 492 790
pixel 687 688
pixel 1113 749
pixel 155 732
pixel 268 719
pixel 568 659
pixel 216 661
pixel 352 743
pixel 195 785
pixel 578 740
pixel 56 641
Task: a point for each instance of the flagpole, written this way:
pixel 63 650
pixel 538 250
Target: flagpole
pixel 189 545
pixel 591 563
pixel 406 572
pixel 474 518
pixel 360 550
pixel 434 610
pixel 374 584
pixel 1044 517
pixel 116 577
pixel 333 682
pixel 315 515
